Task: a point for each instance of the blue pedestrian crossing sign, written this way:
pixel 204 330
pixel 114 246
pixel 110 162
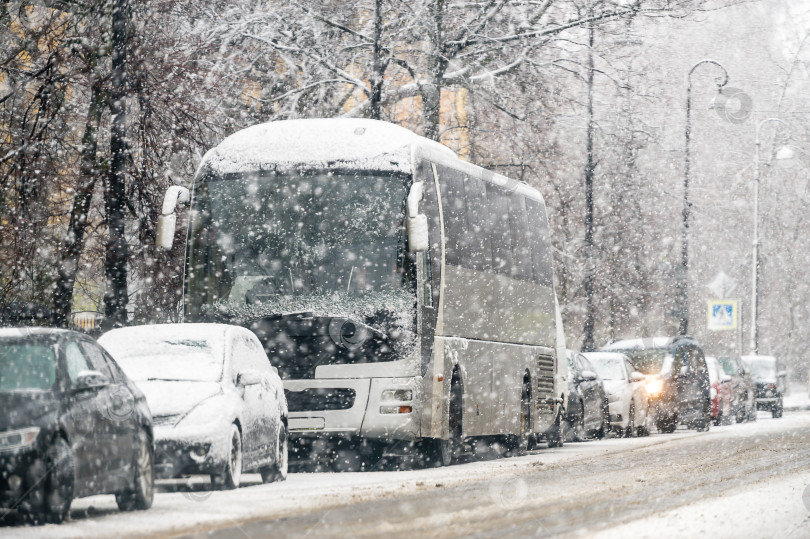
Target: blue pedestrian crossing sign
pixel 722 314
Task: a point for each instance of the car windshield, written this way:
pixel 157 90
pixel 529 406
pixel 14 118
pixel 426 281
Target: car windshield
pixel 26 366
pixel 192 360
pixel 762 369
pixel 608 368
pixel 728 365
pixel 646 360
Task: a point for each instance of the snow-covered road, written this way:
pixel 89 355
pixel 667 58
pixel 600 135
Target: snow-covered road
pixel 745 479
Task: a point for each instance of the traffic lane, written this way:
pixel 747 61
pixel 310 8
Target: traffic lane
pixel 562 498
pixel 176 513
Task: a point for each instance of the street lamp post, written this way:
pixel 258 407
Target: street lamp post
pixel 683 281
pixel 755 254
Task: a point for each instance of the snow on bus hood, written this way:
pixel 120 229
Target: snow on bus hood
pixel 322 143
pixel 170 398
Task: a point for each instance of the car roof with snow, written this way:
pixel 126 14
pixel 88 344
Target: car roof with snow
pixel 6 333
pixel 121 340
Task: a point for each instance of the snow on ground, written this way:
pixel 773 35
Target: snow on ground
pixel 777 508
pixel 175 513
pixel 798 398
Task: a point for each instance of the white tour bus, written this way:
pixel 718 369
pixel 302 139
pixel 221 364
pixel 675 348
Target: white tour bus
pixel 404 295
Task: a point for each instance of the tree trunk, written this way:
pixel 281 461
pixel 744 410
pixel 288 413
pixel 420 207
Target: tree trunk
pixel 117 254
pixel 431 90
pixel 375 96
pixel 74 240
pixel 590 314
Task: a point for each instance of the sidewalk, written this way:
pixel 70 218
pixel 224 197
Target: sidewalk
pixel 798 399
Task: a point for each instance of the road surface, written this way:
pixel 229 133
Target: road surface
pixel 744 479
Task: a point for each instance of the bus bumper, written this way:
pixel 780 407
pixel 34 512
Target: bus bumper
pixel 382 409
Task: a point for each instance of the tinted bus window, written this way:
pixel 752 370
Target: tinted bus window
pixel 521 248
pixel 538 236
pixel 501 234
pixel 457 252
pixel 478 222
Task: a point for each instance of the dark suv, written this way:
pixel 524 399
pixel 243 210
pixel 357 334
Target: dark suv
pixel 677 379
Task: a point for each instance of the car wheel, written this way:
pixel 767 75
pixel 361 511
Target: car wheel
pixel 140 495
pixel 667 424
pixel 230 477
pixel 58 491
pixel 278 471
pixel 630 429
pixel 600 432
pixel 778 409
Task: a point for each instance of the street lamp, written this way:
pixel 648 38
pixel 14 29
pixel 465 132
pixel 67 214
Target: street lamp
pixel 755 255
pixel 683 281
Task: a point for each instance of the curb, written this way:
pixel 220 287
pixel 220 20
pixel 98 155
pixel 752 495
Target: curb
pixel 797 408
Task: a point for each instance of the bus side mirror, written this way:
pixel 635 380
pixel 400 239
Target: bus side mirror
pixel 417 222
pixel 167 220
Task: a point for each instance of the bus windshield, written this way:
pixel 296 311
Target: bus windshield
pixel 263 243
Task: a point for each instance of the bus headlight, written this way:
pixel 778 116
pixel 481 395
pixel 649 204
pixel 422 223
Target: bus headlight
pixel 654 387
pixel 395 409
pixel 396 395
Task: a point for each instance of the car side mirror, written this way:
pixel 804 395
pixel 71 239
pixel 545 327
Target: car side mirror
pixel 248 378
pixel 725 378
pixel 167 220
pixel 90 381
pixel 781 374
pixel 588 375
pixel 636 376
pixel 417 222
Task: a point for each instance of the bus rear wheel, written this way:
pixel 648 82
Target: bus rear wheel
pixel 518 444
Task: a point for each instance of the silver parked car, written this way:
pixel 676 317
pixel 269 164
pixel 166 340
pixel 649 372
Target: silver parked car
pixel 218 405
pixel 626 392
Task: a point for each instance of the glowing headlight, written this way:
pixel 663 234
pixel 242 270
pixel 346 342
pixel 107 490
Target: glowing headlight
pixel 654 387
pixel 15 439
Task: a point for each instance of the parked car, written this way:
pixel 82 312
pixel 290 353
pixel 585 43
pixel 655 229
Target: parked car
pixel 769 383
pixel 626 394
pixel 72 425
pixel 587 412
pixel 677 379
pixel 742 386
pixel 219 406
pixel 720 392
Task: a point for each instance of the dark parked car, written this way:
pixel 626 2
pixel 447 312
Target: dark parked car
pixel 72 425
pixel 677 379
pixel 587 410
pixel 743 403
pixel 769 382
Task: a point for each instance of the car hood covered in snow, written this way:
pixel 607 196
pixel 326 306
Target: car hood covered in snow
pixel 170 398
pixel 614 386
